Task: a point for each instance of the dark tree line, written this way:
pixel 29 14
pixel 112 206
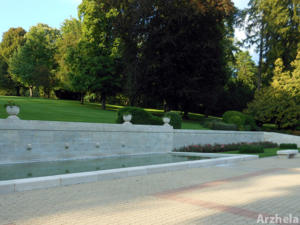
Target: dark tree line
pixel 171 54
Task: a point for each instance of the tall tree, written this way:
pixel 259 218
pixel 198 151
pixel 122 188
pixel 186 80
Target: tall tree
pixel 70 36
pixel 280 102
pixel 174 50
pixel 96 55
pixel 273 27
pixel 12 40
pixel 246 71
pixel 34 64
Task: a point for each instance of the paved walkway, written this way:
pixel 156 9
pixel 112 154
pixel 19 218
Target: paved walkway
pixel 225 195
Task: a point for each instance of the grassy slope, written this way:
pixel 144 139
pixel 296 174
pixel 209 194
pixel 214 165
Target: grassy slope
pixel 73 111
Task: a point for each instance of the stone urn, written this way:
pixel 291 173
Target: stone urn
pixel 12 111
pixel 127 118
pixel 166 121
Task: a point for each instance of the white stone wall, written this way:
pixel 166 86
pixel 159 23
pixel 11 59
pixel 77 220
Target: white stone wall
pixel 281 138
pixel 202 137
pixel 48 139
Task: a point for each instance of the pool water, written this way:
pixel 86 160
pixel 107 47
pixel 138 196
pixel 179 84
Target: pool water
pixel 39 169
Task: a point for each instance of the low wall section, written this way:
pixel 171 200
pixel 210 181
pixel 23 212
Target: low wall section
pixel 202 137
pixel 48 140
pixel 281 138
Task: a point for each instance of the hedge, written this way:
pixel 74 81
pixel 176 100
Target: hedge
pixel 139 116
pixel 175 119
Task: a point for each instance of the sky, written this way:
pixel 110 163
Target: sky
pixel 27 13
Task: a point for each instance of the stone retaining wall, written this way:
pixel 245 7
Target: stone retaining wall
pixel 202 137
pixel 64 140
pixel 27 140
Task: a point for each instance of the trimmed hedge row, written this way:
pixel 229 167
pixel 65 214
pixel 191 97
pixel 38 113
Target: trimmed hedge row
pixel 288 146
pixel 224 148
pixel 251 149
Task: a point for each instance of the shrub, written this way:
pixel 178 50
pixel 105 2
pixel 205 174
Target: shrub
pixel 243 121
pixel 237 120
pixel 223 148
pixel 288 146
pixel 249 121
pixel 139 116
pixel 175 119
pixel 268 144
pixel 229 114
pixel 251 149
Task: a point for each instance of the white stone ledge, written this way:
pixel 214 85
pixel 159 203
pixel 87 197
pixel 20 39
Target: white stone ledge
pixel 217 132
pixel 38 125
pixel 20 185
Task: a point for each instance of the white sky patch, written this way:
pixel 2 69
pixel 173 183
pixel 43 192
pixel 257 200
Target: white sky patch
pixel 240 33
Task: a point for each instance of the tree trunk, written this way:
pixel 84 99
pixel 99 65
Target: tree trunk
pixel 185 115
pixel 166 108
pixel 103 101
pixel 18 90
pixel 30 91
pixel 81 98
pixel 261 48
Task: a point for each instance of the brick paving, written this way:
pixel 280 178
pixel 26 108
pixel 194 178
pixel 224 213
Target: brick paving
pixel 232 194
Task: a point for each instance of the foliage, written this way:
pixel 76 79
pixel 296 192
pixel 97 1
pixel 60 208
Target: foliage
pixel 69 38
pixel 173 51
pixel 6 81
pixel 223 148
pixel 244 149
pixel 93 61
pixel 33 64
pixel 12 40
pixel 288 146
pixel 139 116
pixel 175 119
pixel 272 26
pixel 246 70
pixel 243 121
pixel 279 103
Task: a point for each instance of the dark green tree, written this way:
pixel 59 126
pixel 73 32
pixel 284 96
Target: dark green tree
pixel 246 70
pixel 70 37
pixel 272 26
pixel 94 60
pixel 174 50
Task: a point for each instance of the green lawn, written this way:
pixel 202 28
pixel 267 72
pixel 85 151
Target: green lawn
pixel 268 152
pixel 58 110
pixel 73 111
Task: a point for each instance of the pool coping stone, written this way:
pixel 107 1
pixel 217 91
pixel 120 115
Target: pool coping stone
pixel 28 184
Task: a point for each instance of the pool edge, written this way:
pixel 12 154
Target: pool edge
pixel 28 184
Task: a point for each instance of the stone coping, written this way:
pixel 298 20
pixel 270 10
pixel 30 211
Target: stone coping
pixel 27 184
pixel 39 125
pixel 216 131
pixel 288 151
